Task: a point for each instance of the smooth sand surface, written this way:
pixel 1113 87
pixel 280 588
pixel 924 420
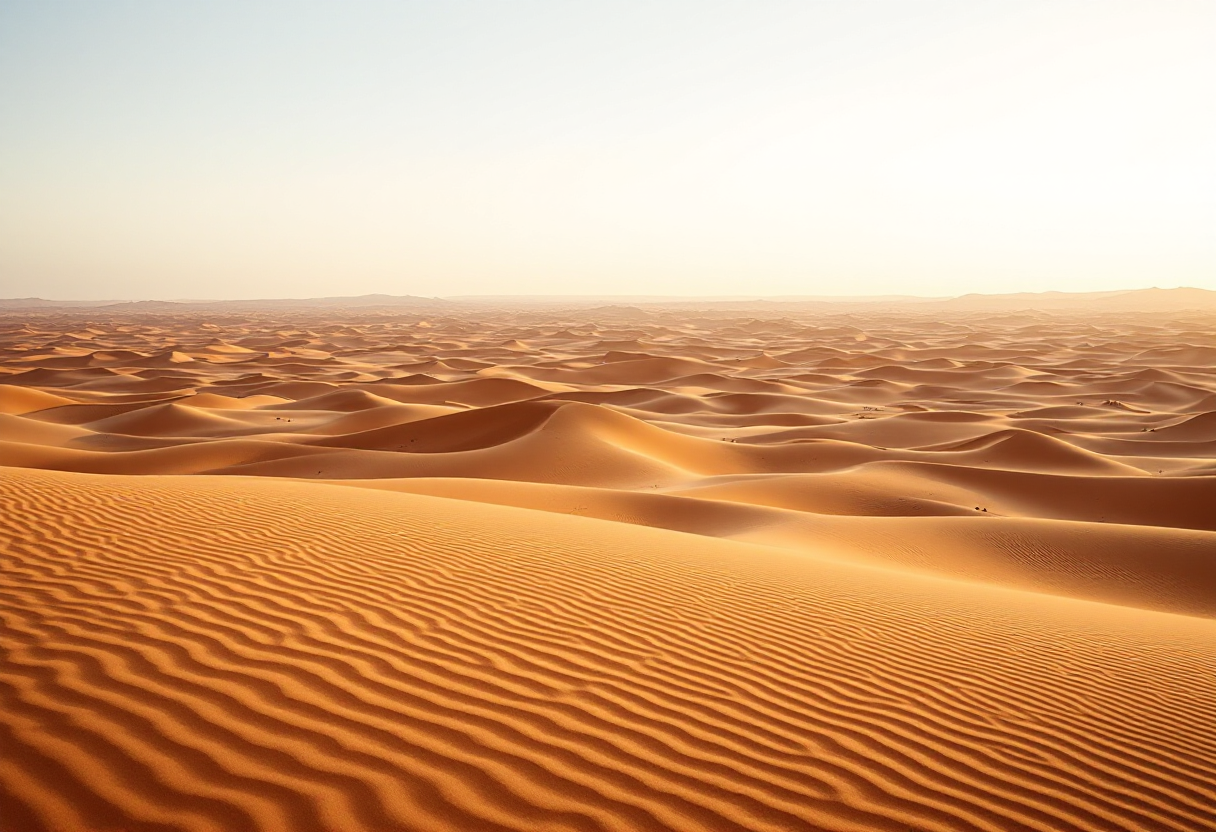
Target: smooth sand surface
pixel 616 568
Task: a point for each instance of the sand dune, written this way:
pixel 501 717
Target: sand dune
pixel 440 567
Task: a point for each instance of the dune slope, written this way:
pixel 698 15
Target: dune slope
pixel 658 567
pixel 331 658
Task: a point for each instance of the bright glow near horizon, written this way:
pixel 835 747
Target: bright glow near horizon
pixel 169 150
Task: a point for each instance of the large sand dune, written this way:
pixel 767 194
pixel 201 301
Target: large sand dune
pixel 619 568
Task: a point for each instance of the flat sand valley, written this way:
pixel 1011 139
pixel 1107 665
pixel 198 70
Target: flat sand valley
pixel 613 568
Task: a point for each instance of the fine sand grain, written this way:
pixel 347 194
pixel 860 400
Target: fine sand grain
pixel 607 569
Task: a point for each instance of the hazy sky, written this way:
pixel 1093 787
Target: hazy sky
pixel 257 149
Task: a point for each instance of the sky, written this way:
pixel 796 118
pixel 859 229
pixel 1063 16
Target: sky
pixel 153 150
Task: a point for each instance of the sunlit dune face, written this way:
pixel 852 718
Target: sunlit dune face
pixel 611 568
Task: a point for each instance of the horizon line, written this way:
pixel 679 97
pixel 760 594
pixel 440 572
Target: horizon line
pixel 790 298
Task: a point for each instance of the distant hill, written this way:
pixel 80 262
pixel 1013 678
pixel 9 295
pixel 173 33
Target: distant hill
pixel 677 300
pixel 1136 300
pixel 1154 299
pixel 1139 300
pixel 355 302
pixel 43 303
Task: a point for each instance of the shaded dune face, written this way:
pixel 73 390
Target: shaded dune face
pixel 607 569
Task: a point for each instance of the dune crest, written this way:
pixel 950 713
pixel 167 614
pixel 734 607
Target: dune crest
pixel 418 565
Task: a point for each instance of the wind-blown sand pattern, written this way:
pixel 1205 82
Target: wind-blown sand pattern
pixel 607 569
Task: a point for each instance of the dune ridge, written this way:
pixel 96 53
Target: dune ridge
pixel 452 567
pixel 334 659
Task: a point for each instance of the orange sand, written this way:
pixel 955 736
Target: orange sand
pixel 608 569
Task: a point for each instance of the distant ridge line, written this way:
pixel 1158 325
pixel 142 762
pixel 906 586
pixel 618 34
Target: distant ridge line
pixel 1132 300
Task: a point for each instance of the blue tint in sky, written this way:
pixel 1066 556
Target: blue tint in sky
pixel 170 150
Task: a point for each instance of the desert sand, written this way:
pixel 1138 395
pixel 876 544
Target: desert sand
pixel 624 567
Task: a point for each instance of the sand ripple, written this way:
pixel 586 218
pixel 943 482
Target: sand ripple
pixel 613 569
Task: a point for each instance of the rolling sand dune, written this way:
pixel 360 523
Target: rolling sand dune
pixel 948 566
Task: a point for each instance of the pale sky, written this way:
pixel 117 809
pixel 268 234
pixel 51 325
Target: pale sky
pixel 295 149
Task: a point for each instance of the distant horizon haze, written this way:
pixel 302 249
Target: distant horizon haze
pixel 598 296
pixel 1182 298
pixel 290 150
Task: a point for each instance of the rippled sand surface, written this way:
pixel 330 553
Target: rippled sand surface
pixel 610 568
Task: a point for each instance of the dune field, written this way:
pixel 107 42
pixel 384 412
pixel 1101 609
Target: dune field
pixel 607 568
